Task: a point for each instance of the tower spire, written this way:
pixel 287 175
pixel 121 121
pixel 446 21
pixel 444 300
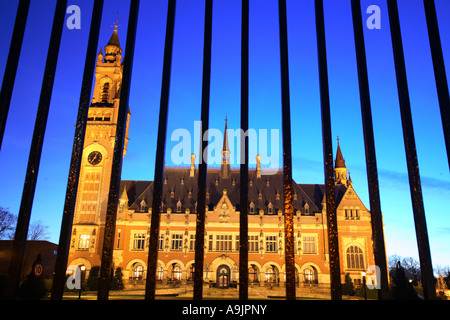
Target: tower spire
pixel 225 169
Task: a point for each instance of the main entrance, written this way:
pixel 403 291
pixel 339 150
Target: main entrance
pixel 223 276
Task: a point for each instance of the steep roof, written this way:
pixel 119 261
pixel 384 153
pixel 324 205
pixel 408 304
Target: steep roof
pixel 114 40
pixel 179 186
pixel 339 162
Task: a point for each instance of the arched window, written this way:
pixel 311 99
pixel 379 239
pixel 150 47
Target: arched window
pixel 160 273
pixel 176 273
pixel 355 258
pixel 138 271
pixel 271 275
pixel 253 274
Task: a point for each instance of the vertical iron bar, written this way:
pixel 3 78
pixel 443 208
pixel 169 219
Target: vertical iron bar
pixel 243 218
pixel 287 154
pixel 439 70
pixel 116 171
pixel 371 161
pixel 202 173
pixel 333 240
pixel 150 286
pixel 77 151
pixel 411 154
pixel 12 63
pixel 23 220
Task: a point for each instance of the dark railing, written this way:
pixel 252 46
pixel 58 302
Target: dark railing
pixel 19 242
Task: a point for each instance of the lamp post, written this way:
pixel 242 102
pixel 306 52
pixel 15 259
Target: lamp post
pixel 363 274
pixel 83 269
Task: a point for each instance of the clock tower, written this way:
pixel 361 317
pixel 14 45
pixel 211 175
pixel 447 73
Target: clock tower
pixel 93 186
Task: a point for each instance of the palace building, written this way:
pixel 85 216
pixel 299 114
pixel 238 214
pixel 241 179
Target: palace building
pixel 179 206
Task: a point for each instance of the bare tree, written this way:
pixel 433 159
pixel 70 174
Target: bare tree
pixel 38 231
pixel 7 224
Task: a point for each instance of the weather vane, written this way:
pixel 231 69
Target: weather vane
pixel 116 25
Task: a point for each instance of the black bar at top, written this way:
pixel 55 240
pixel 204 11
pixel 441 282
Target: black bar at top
pixel 439 70
pixel 371 161
pixel 243 217
pixel 202 172
pixel 77 152
pixel 411 154
pixel 23 220
pixel 116 171
pixel 150 287
pixel 333 241
pixel 12 63
pixel 287 154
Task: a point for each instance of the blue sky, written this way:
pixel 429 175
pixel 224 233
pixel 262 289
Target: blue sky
pixel 265 99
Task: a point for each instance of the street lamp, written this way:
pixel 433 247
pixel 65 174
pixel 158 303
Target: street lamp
pixel 363 274
pixel 82 268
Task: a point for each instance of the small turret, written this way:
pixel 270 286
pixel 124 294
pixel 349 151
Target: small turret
pixel 340 170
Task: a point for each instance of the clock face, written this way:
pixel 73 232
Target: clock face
pixel 94 157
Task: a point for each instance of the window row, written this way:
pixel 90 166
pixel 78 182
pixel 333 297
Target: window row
pixel 222 243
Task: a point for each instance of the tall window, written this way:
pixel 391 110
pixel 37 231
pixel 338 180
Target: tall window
pixel 271 244
pixel 355 258
pixel 177 242
pixel 105 92
pixel 224 242
pixel 309 245
pixel 138 241
pixel 192 242
pixel 253 243
pixel 161 242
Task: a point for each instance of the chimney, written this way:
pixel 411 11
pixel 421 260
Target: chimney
pixel 191 174
pixel 258 166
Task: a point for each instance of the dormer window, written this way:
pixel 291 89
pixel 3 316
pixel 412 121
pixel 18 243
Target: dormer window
pixel 179 206
pixel 252 208
pixel 143 205
pixel 306 208
pixel 172 194
pixel 270 208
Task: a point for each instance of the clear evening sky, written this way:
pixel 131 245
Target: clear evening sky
pixel 265 99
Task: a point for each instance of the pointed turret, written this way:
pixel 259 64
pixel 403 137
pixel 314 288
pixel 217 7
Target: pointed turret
pixel 113 51
pixel 225 169
pixel 340 170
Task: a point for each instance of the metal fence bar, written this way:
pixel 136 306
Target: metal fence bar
pixel 243 215
pixel 23 220
pixel 12 63
pixel 439 70
pixel 371 161
pixel 411 155
pixel 202 172
pixel 287 154
pixel 77 152
pixel 333 240
pixel 116 171
pixel 150 286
